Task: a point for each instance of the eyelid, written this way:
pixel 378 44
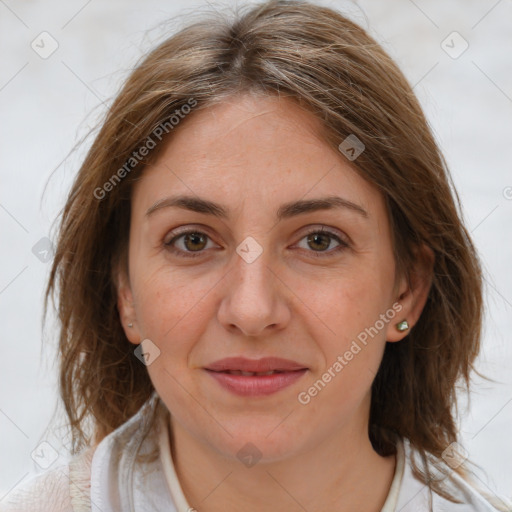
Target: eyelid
pixel 189 228
pixel 311 228
pixel 320 228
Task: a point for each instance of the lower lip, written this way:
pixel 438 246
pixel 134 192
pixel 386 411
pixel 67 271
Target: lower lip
pixel 243 385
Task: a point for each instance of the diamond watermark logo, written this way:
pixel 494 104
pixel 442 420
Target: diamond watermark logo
pixel 44 455
pixel 44 45
pixel 43 250
pixel 249 455
pixel 249 250
pixel 454 45
pixel 352 147
pixel 147 352
pixel 454 455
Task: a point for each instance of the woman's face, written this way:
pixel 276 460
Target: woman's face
pixel 257 280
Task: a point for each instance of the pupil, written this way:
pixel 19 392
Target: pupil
pixel 314 237
pixel 192 237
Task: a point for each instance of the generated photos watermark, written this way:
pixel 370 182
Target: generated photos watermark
pixel 304 397
pixel 149 144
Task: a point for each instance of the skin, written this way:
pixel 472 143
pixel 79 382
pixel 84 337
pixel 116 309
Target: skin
pixel 253 154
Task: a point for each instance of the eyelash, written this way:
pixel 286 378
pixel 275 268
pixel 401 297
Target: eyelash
pixel 317 254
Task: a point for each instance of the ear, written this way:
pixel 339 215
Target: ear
pixel 126 308
pixel 413 291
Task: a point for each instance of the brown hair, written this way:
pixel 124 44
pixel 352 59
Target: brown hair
pixel 332 68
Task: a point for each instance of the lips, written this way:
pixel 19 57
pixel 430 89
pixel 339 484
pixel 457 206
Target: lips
pixel 267 365
pixel 252 378
pixel 251 374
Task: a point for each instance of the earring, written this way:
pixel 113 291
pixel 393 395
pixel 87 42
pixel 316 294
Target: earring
pixel 130 325
pixel 402 326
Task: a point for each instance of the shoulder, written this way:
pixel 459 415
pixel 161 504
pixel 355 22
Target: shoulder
pixel 126 471
pixel 416 496
pixel 102 474
pixel 45 492
pixel 64 488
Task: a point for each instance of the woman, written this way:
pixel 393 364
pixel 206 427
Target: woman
pixel 304 354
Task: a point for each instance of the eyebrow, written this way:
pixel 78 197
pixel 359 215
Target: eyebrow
pixel 285 211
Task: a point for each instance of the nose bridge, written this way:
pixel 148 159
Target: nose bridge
pixel 252 267
pixel 249 300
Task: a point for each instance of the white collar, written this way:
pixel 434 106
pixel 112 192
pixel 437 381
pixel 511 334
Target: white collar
pixel 168 466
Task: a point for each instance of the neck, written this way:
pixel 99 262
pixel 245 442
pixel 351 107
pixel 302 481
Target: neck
pixel 335 475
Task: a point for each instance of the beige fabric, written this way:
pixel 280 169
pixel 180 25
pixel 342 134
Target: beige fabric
pixel 80 481
pixel 37 493
pixel 66 488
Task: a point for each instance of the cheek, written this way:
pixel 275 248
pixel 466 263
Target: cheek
pixel 170 306
pixel 347 304
pixel 349 331
pixel 351 338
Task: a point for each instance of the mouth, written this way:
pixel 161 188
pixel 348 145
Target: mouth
pixel 251 378
pixel 252 374
pixel 255 366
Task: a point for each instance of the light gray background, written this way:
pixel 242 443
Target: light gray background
pixel 47 105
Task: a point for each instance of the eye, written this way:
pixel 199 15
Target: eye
pixel 194 242
pixel 322 240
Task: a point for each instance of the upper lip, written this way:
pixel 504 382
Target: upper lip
pixel 265 364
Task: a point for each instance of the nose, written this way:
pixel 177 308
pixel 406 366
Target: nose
pixel 255 298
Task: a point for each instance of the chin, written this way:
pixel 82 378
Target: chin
pixel 259 443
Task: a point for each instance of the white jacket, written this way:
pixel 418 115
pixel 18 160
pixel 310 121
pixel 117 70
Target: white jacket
pixel 131 470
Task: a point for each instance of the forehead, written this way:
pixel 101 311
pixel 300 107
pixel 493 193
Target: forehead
pixel 266 149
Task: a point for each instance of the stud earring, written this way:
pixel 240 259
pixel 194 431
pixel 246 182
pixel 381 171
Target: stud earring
pixel 130 325
pixel 402 326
